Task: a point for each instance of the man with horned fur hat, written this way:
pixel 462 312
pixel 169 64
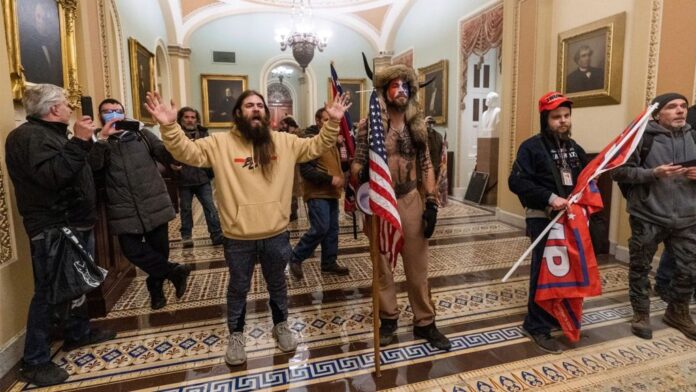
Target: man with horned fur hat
pixel 406 143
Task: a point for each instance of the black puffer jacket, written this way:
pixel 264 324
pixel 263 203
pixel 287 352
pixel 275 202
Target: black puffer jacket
pixel 190 175
pixel 137 196
pixel 53 182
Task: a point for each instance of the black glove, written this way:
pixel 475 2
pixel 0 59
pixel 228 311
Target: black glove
pixel 429 218
pixel 364 175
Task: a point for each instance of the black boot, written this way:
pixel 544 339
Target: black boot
pixel 433 336
pixel 43 375
pixel 387 331
pixel 154 286
pixel 179 276
pixel 95 336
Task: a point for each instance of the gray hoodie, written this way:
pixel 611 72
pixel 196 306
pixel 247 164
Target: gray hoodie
pixel 667 201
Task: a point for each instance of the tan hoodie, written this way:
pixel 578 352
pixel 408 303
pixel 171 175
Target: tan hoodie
pixel 251 207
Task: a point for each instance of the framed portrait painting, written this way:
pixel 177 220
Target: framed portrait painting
pixel 220 93
pixel 590 62
pixel 354 88
pixel 41 45
pixel 142 67
pixel 433 97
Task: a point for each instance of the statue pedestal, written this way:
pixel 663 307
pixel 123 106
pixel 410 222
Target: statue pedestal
pixel 487 162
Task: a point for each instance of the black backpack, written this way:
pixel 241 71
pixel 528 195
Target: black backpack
pixel 644 150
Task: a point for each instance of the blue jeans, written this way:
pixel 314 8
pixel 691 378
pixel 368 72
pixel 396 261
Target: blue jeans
pixel 323 229
pixel 204 193
pixel 241 255
pixel 39 322
pixel 537 321
pixel 665 270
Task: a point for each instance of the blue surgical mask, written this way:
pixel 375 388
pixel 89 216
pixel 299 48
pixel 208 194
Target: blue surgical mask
pixel 112 116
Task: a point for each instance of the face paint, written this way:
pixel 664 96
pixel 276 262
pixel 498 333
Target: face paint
pixel 397 88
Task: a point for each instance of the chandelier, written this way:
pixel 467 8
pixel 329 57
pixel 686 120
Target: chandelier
pixel 302 39
pixel 281 73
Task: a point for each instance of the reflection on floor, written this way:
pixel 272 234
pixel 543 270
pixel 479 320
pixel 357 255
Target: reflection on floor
pixel 181 347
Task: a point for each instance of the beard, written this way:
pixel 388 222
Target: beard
pixel 258 134
pixel 189 128
pixel 563 136
pixel 398 104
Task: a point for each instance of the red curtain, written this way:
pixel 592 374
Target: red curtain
pixel 478 35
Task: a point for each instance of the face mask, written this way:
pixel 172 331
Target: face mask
pixel 113 116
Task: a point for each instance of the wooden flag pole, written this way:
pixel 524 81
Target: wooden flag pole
pixel 375 256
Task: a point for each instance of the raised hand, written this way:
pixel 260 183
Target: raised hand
pixel 338 107
pixel 164 113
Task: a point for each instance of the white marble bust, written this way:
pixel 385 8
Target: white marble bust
pixel 490 120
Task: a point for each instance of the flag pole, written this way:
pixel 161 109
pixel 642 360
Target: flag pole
pixel 531 247
pixel 375 256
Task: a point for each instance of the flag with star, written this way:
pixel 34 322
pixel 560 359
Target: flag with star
pixel 382 198
pixel 569 271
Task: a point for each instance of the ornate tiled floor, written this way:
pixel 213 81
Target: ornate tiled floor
pixel 181 347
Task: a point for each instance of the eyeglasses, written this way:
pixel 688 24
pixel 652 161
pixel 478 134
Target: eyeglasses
pixel 109 111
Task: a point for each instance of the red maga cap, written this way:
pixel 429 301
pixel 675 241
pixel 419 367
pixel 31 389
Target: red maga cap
pixel 552 100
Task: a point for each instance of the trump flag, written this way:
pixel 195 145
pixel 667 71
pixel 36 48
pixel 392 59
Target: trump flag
pixel 569 271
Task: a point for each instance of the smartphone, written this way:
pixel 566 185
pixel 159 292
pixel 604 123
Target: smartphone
pixel 86 105
pixel 127 125
pixel 690 163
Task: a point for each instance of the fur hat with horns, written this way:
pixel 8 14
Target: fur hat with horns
pixel 414 116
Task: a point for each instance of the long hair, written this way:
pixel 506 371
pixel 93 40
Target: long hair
pixel 185 109
pixel 264 148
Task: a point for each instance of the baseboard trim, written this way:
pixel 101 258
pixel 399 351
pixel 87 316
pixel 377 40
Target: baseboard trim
pixel 621 253
pixel 11 353
pixel 509 218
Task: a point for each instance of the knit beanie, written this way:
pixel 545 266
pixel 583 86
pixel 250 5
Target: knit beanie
pixel 664 99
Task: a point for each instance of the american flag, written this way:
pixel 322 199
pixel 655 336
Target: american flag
pixel 382 198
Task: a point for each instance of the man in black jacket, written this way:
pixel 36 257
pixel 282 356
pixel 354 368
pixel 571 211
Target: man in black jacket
pixel 543 175
pixel 139 207
pixel 196 181
pixel 53 187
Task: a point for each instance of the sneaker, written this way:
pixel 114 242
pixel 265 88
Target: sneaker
pixel 296 270
pixel 387 331
pixel 284 337
pixel 544 341
pixel 433 336
pixel 179 278
pixel 186 242
pixel 336 269
pixel 43 375
pixel 95 336
pixel 235 354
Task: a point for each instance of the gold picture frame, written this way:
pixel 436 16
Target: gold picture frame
pixel 142 72
pixel 356 88
pixel 433 97
pixel 220 93
pixel 590 62
pixel 38 40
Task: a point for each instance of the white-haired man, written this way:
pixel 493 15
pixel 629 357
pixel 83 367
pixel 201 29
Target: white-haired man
pixel 53 187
